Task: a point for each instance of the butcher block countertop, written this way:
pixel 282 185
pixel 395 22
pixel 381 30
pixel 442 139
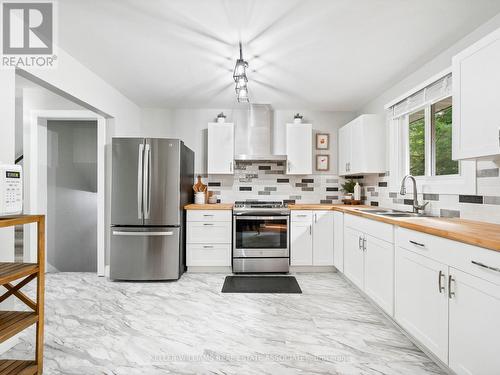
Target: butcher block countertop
pixel 215 206
pixel 475 233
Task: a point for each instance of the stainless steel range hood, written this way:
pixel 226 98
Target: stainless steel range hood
pixel 254 139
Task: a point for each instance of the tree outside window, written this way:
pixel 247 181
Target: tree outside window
pixel 431 124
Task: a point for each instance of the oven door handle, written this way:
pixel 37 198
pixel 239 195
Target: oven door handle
pixel 282 217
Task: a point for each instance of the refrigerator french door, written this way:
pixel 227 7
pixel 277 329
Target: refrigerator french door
pixel 146 214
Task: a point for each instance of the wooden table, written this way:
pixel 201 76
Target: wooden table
pixel 13 322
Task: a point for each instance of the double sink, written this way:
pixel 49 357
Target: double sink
pixel 391 213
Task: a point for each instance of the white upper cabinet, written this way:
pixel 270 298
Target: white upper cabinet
pixel 220 148
pixel 476 91
pixel 362 146
pixel 299 148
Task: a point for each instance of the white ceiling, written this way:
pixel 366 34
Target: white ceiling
pixel 307 54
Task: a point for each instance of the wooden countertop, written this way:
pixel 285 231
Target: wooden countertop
pixel 215 206
pixel 475 233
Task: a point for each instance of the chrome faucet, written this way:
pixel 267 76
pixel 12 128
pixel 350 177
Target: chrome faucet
pixel 416 207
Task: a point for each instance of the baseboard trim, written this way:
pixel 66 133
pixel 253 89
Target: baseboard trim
pixel 207 269
pixel 312 269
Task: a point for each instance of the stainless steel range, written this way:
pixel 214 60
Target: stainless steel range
pixel 261 237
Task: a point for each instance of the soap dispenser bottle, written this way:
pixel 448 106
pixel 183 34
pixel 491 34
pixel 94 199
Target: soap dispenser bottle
pixel 357 192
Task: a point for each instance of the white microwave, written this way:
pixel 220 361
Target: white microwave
pixel 11 190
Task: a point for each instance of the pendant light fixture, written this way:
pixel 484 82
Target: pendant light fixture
pixel 240 77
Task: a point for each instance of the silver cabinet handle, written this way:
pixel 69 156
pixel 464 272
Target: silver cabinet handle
pixel 310 230
pixel 140 181
pixel 315 217
pixel 288 165
pixel 230 166
pixel 364 243
pixel 208 247
pixel 207 224
pixel 416 243
pixel 359 242
pixel 485 266
pixel 450 292
pixel 126 233
pixel 440 280
pixel 208 215
pixel 302 215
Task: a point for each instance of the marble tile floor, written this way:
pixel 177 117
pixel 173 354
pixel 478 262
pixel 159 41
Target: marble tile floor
pixel 95 326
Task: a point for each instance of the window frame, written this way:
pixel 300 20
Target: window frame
pixel 429 141
pixel 398 157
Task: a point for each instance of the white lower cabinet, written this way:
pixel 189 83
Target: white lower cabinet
pixel 379 272
pixel 353 256
pixel 312 238
pixel 322 238
pixel 369 262
pixel 209 255
pixel 474 311
pixel 421 301
pixel 208 238
pixel 301 248
pixel 338 240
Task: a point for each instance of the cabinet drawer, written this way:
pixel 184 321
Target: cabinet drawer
pixel 208 255
pixel 377 229
pixel 209 215
pixel 214 232
pixel 304 216
pixel 474 260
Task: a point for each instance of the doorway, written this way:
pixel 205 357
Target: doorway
pixel 71 196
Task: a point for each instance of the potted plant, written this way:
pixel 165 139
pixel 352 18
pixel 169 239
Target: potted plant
pixel 348 188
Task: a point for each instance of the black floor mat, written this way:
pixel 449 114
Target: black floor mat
pixel 261 284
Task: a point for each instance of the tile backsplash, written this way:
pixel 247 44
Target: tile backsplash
pixel 485 206
pixel 268 181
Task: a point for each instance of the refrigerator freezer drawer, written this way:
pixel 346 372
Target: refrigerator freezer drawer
pixel 145 253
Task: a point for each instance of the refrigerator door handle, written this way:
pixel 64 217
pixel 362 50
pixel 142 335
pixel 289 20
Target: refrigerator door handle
pixel 147 182
pixel 140 182
pixel 127 233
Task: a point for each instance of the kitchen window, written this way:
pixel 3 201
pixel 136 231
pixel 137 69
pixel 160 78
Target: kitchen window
pixel 429 140
pixel 420 140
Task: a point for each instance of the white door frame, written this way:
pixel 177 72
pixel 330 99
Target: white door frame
pixel 35 174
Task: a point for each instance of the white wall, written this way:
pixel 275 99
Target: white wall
pixel 434 66
pixel 7 148
pixel 190 124
pixel 72 80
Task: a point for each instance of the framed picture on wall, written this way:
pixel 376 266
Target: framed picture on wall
pixel 322 162
pixel 322 141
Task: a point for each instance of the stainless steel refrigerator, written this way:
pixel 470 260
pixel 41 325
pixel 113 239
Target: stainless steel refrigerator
pixel 152 180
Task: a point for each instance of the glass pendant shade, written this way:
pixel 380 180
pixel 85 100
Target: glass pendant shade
pixel 241 82
pixel 242 94
pixel 240 69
